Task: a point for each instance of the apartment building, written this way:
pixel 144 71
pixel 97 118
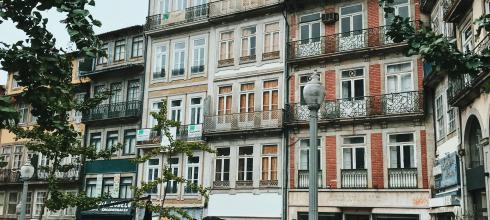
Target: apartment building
pixel 116 119
pixel 374 146
pixel 177 72
pixel 244 120
pixel 14 154
pixel 465 95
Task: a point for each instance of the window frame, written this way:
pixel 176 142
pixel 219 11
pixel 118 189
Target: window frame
pixel 245 158
pixel 440 120
pixel 225 96
pixel 179 110
pixel 269 36
pixel 354 148
pixel 269 92
pixel 132 148
pixel 193 166
pixel 162 62
pixel 306 148
pixel 152 121
pixel 148 178
pixel 467 41
pixel 399 77
pixel 38 204
pixel 196 70
pixel 111 139
pixel 399 144
pixel 198 113
pixel 229 48
pixel 138 42
pixel 179 60
pixel 248 39
pixel 125 188
pixel 309 23
pixel 222 159
pixel 352 82
pixel 269 157
pixel 173 185
pixel 121 54
pixel 14 203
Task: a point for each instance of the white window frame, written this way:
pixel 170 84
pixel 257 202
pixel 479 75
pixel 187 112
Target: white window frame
pixel 269 36
pixel 248 40
pixel 351 80
pixel 270 91
pixel 24 113
pixel 227 43
pixel 99 147
pixel 9 203
pixel 153 168
pixel 439 107
pixel 399 76
pixel 2 202
pixel 128 194
pixel 247 94
pixel 92 193
pixel 197 50
pixel 131 149
pixel 222 159
pixel 269 161
pixel 414 145
pixel 467 41
pixel 396 11
pixel 302 84
pixel 245 158
pixel 193 166
pixel 178 54
pixel 197 114
pixel 307 148
pixel 451 119
pixel 152 121
pixel 353 148
pixel 103 59
pixel 175 169
pixel 38 203
pixel 309 23
pixel 160 54
pixel 180 5
pixel 178 109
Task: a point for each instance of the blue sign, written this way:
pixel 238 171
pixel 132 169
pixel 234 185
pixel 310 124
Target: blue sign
pixel 449 171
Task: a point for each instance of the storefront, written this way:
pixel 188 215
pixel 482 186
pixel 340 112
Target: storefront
pixel 111 209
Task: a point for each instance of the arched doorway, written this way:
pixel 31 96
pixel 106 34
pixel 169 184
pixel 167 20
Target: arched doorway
pixel 475 170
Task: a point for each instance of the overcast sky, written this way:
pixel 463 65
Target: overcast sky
pixel 113 15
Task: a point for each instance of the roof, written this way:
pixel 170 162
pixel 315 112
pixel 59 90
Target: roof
pixel 121 32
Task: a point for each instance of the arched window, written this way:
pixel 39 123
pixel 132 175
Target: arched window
pixel 474 136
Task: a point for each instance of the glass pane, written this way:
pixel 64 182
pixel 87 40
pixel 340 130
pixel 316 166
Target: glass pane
pixel 351 9
pixel 406 82
pixel 345 26
pixel 303 158
pixel 403 12
pixel 347 158
pixel 394 157
pixel 315 31
pixel 392 84
pixel 359 88
pixel 346 89
pixel 360 158
pixel 357 23
pixel 305 32
pixel 245 150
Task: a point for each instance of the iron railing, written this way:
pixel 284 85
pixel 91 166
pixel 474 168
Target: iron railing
pixel 243 121
pixel 361 107
pixel 227 7
pixel 458 85
pixel 269 183
pixel 183 132
pixel 13 176
pixel 402 178
pixel 177 18
pixel 9 176
pixel 339 42
pixel 354 178
pixel 114 110
pixel 221 184
pixel 304 181
pixel 482 45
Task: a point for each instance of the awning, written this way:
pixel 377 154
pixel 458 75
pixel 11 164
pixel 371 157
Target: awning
pixel 266 205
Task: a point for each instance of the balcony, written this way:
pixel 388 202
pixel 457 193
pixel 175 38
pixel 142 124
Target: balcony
pixel 393 105
pixel 176 19
pixel 183 133
pixel 9 176
pixel 354 178
pixel 13 176
pixel 303 179
pixel 402 178
pixel 232 8
pixel 244 183
pixel 119 110
pixel 249 121
pixel 221 184
pixel 340 44
pixel 454 10
pixel 269 183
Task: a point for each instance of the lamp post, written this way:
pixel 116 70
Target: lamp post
pixel 313 94
pixel 26 173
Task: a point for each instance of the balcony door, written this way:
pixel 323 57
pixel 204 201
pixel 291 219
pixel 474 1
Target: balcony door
pixel 401 8
pixel 224 107
pixel 351 24
pixel 270 98
pixel 115 98
pixel 247 104
pixel 303 163
pixel 310 42
pixel 399 97
pixel 354 173
pixel 353 102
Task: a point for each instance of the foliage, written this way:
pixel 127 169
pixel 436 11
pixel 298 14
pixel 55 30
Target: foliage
pixel 175 147
pixel 44 73
pixel 435 49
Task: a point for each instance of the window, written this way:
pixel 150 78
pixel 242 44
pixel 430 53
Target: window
pixel 271 37
pixel 120 50
pixel 247 97
pixel 399 78
pixel 198 56
pixel 467 39
pixel 107 186
pixel 137 50
pixel 12 203
pixel 302 83
pixel 115 96
pixel 111 141
pixel 172 185
pixel 192 174
pixel 29 203
pixel 80 98
pixel 153 173
pixel 451 115
pixel 351 24
pixel 39 202
pixel 134 90
pixel 125 191
pixel 103 59
pixel 176 110
pixel 180 4
pixel 304 155
pixel 487 6
pixel 353 153
pixel 402 150
pixel 17 157
pixel 164 6
pixel 160 62
pixel 269 162
pixel 440 117
pixel 196 111
pixel 224 100
pixel 245 163
pixel 248 41
pixel 401 8
pixel 2 202
pixel 23 113
pixel 310 28
pixel 352 84
pixel 155 107
pixel 90 188
pixel 222 164
pixel 270 95
pixel 179 59
pixel 99 89
pixel 226 45
pixel 129 141
pixel 95 141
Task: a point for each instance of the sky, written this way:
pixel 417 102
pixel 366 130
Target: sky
pixel 114 14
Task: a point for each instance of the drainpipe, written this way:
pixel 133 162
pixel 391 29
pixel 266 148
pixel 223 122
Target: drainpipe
pixel 462 168
pixel 285 157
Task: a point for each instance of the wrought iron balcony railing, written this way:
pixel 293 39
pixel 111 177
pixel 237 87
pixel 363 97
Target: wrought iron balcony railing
pixel 269 183
pixel 303 179
pixel 354 178
pixel 177 18
pixel 221 184
pixel 458 85
pixel 483 44
pixel 117 110
pixel 13 176
pixel 339 43
pixel 222 8
pixel 361 107
pixel 243 121
pixel 183 132
pixel 402 178
pixel 9 176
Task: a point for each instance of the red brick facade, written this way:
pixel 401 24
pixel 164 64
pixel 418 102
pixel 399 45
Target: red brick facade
pixel 330 85
pixel 331 158
pixel 420 74
pixel 292 88
pixel 375 79
pixel 377 160
pixel 423 154
pixel 292 162
pixel 373 13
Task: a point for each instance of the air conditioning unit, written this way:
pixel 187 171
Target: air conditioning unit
pixel 330 18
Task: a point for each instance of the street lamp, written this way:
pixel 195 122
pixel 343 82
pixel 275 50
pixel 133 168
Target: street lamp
pixel 26 173
pixel 313 93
